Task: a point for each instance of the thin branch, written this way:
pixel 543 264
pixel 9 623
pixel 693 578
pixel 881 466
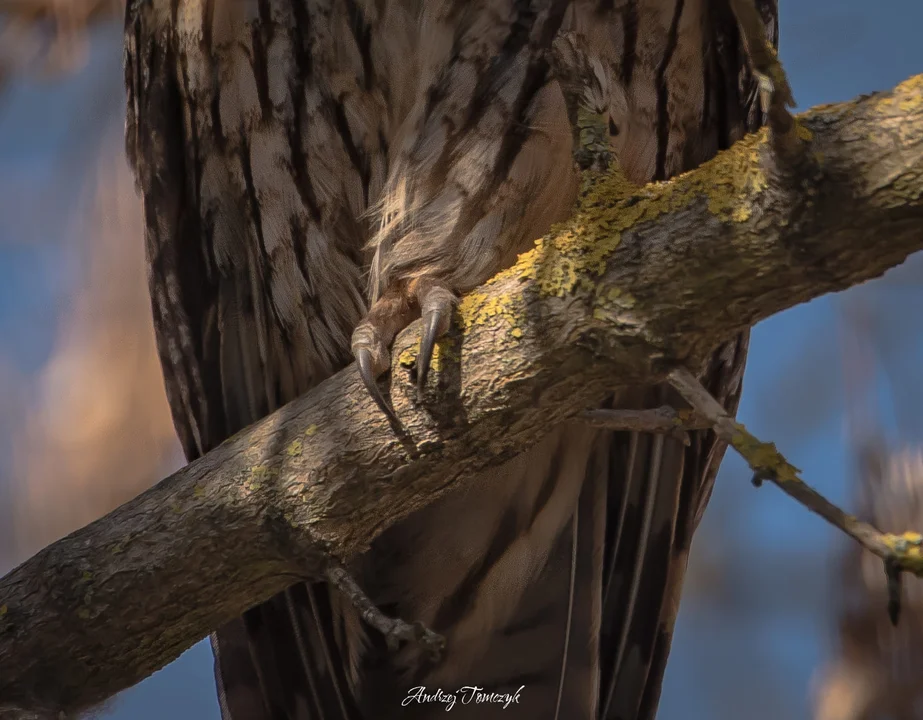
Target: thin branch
pixel 900 551
pixel 641 280
pixel 663 420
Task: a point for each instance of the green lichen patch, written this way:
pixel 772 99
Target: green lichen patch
pixel 257 476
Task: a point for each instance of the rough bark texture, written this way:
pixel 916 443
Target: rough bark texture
pixel 638 280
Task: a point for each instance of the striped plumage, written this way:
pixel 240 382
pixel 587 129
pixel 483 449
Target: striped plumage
pixel 272 141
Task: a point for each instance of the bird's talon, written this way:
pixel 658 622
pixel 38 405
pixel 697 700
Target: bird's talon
pixel 430 640
pixel 427 347
pixel 373 359
pixel 393 641
pixel 394 630
pixel 436 305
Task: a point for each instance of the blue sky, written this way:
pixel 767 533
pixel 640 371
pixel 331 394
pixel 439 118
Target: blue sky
pixel 751 648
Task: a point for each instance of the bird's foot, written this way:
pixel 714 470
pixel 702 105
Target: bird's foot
pixel 394 630
pixel 425 297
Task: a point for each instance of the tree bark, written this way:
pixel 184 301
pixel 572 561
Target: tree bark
pixel 639 281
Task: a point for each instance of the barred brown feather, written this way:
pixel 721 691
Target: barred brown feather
pixel 295 158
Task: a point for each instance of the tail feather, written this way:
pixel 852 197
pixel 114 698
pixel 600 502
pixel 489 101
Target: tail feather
pixel 290 602
pixel 575 526
pixel 640 567
pixel 531 619
pixel 279 661
pixel 334 692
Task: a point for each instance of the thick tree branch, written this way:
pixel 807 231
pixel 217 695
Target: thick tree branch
pixel 639 281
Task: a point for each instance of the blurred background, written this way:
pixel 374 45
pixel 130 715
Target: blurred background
pixel 770 619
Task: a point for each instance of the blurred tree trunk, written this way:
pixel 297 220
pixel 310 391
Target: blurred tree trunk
pixel 875 672
pixel 92 428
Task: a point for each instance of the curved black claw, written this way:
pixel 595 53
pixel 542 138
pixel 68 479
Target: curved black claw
pixel 436 304
pixel 431 333
pixel 365 361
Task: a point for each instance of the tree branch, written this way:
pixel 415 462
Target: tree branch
pixel 638 282
pixel 902 552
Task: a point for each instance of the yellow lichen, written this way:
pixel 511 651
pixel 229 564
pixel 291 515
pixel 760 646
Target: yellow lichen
pixel 408 357
pixel 907 550
pixel 442 351
pixel 907 97
pixel 258 475
pixel 802 131
pixel 3 610
pixel 741 214
pixel 911 94
pixel 476 308
pixel 312 430
pixel 763 456
pixel 574 254
pixel 295 448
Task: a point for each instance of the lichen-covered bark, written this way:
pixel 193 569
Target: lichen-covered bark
pixel 638 280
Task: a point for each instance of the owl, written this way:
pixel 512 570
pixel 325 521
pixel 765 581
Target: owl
pixel 317 174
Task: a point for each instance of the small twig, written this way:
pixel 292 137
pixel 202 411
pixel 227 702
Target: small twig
pixel 394 630
pixel 775 92
pixel 665 420
pixel 893 574
pixel 904 551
